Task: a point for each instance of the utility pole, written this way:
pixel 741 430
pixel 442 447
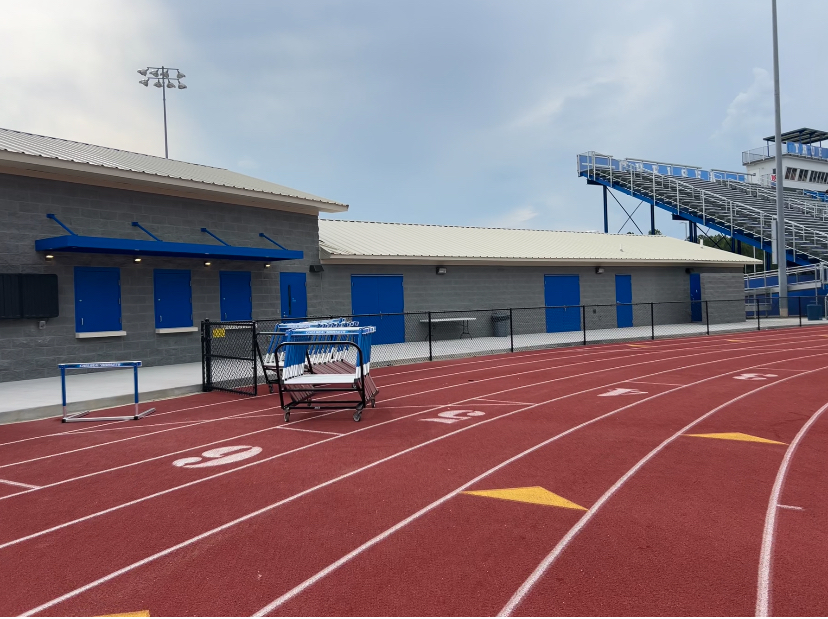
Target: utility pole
pixel 781 258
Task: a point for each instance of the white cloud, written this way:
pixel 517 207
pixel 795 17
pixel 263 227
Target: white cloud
pixel 517 217
pixel 750 115
pixel 70 70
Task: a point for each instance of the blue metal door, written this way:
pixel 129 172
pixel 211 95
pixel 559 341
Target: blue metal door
pixel 173 299
pixel 294 294
pixel 623 300
pixel 562 297
pixel 236 297
pixel 695 297
pixel 97 299
pixel 381 295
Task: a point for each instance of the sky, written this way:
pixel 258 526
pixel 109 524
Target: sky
pixel 457 112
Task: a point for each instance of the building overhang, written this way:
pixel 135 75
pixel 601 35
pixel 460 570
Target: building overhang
pixel 87 174
pixel 74 243
pixel 328 259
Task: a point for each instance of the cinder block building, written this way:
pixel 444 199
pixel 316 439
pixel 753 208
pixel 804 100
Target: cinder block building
pixel 108 254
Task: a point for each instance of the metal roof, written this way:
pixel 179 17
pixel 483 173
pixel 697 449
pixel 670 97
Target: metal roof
pixel 801 136
pixel 362 241
pixel 49 153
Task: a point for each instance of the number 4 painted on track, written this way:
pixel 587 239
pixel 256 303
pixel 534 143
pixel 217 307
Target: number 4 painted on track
pixel 454 416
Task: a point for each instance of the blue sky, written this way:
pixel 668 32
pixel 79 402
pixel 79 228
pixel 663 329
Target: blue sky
pixel 454 112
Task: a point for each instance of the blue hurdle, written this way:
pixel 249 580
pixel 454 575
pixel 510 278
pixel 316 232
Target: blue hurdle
pixel 271 361
pixel 100 365
pixel 325 360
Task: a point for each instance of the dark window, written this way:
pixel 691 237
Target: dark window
pixel 39 296
pixel 790 174
pixel 803 175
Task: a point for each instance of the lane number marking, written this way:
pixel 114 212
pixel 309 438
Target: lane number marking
pixel 454 416
pixel 621 391
pixel 218 456
pixel 754 376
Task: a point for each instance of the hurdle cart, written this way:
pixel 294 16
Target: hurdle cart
pixel 317 366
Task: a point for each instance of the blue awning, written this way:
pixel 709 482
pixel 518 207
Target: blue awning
pixel 103 245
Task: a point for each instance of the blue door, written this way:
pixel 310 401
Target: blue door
pixel 562 297
pixel 173 299
pixel 381 295
pixel 695 297
pixel 294 295
pixel 97 299
pixel 623 300
pixel 236 297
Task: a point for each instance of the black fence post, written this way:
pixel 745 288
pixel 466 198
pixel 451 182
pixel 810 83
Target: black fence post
pixel 511 333
pixel 758 318
pixel 799 301
pixel 430 355
pixel 583 320
pixel 652 321
pixel 707 318
pixel 253 356
pixel 207 354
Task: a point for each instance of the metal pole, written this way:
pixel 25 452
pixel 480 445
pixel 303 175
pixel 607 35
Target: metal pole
pixel 512 329
pixel 707 311
pixel 255 364
pixel 606 218
pixel 135 375
pixel 583 319
pixel 652 322
pixel 758 318
pixel 164 97
pixel 430 356
pixel 781 259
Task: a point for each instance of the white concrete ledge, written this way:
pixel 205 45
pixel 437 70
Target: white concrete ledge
pixel 86 334
pixel 177 330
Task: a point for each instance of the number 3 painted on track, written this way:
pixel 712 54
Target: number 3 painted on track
pixel 455 416
pixel 219 456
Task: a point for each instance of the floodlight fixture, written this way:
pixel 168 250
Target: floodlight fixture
pixel 163 80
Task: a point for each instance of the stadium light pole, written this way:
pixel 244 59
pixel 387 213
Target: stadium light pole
pixel 781 253
pixel 163 80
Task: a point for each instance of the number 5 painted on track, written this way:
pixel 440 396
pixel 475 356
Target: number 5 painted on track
pixel 219 456
pixel 454 416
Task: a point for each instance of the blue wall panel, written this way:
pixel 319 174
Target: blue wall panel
pixel 560 291
pixel 380 294
pixel 623 300
pixel 236 296
pixel 173 299
pixel 695 297
pixel 97 299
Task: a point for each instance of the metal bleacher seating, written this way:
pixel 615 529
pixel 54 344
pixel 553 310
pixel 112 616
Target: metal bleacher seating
pixel 723 201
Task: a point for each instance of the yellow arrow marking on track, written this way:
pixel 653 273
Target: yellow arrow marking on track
pixel 534 494
pixel 737 436
pixel 137 613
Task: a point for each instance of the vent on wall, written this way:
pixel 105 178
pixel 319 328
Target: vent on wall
pixel 28 295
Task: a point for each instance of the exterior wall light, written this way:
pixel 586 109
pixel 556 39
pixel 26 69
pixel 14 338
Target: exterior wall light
pixel 207 263
pixel 442 270
pixel 599 270
pixel 49 256
pixel 267 265
pixel 136 260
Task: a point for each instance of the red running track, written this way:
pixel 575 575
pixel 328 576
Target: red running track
pixel 323 516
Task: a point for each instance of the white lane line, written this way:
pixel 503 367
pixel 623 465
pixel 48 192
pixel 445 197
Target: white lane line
pixel 791 507
pixel 501 402
pixel 314 431
pixel 428 410
pixel 17 483
pixel 763 601
pixel 547 562
pixel 388 532
pixel 307 491
pixel 645 382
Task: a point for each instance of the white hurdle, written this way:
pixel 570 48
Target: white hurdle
pixel 101 365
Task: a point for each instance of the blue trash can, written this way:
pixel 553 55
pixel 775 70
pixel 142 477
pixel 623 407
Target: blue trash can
pixel 815 312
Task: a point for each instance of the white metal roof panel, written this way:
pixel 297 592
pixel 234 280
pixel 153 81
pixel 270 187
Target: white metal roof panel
pixel 113 158
pixel 347 241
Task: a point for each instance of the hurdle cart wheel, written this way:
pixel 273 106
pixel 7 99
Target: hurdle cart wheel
pixel 373 402
pixel 358 413
pixel 287 416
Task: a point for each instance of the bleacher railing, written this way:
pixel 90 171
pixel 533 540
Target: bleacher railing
pixel 232 352
pixel 788 148
pixel 661 181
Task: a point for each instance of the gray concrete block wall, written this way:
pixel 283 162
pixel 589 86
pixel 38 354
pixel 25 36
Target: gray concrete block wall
pixel 467 288
pixel 29 352
pixel 725 295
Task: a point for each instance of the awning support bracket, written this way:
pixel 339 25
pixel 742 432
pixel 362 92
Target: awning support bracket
pixel 60 223
pixel 263 235
pixel 215 237
pixel 137 225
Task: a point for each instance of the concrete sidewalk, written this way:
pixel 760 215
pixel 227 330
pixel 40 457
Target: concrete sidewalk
pixel 40 397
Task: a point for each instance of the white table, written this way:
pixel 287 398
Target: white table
pixel 465 320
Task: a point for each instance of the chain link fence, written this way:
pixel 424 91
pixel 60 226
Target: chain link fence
pixel 232 352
